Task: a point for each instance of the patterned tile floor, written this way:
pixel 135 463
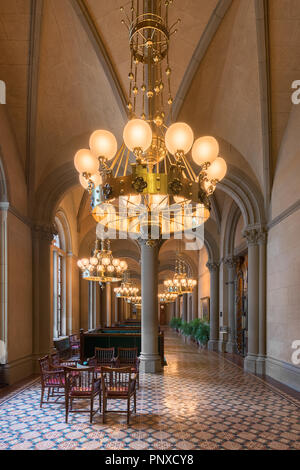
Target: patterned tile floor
pixel 201 401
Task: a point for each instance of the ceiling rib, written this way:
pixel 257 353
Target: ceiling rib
pixel 32 93
pixel 199 53
pixel 90 28
pixel 262 30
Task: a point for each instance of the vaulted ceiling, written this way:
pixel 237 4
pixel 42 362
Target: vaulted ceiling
pixel 65 64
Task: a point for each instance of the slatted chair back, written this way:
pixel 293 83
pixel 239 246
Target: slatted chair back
pixel 116 381
pixel 104 356
pixel 44 365
pixel 127 355
pixel 55 360
pixel 79 380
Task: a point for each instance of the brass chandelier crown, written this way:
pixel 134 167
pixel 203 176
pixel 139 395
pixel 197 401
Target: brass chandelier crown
pixel 181 283
pixel 150 183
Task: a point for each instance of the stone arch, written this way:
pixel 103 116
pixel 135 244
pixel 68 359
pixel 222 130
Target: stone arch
pixel 230 230
pixel 64 229
pixel 3 183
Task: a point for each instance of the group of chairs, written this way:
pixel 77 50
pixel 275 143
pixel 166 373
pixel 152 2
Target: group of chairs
pixel 105 375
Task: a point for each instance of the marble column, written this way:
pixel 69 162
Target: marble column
pixel 195 303
pixel 102 305
pixel 150 359
pixel 189 308
pixel 3 280
pixel 252 236
pixel 184 315
pixel 230 263
pixel 214 306
pixel 261 360
pixel 69 293
pixel 177 307
pixel 108 304
pixel 42 311
pixel 117 315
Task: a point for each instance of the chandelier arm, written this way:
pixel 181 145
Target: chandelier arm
pixel 117 157
pixel 192 173
pixel 120 162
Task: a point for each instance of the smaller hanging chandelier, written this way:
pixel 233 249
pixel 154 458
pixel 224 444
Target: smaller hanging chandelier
pixel 127 288
pixel 135 300
pixel 181 283
pixel 102 266
pixel 167 297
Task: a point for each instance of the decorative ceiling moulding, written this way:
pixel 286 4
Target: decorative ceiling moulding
pixel 286 213
pixel 263 50
pixel 37 7
pixel 199 53
pixel 81 9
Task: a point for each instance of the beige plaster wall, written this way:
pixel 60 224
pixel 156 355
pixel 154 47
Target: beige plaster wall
pixel 203 279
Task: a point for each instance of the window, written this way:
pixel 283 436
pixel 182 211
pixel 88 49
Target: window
pixel 59 270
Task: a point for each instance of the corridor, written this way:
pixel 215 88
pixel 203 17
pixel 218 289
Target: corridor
pixel 201 401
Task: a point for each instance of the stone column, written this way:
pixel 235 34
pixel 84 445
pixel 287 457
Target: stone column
pixel 108 305
pixel 177 307
pixel 184 308
pixel 102 305
pixel 150 359
pixel 195 302
pixel 214 306
pixel 69 293
pixel 117 317
pixel 252 236
pixel 262 243
pixel 42 312
pixel 230 263
pixel 3 279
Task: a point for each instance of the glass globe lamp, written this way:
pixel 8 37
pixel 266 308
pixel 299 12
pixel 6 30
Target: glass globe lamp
pixel 103 144
pixel 179 138
pixel 205 150
pixel 217 170
pixel 137 135
pixel 86 162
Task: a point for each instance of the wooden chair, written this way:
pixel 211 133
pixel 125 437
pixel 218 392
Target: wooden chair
pixel 81 384
pixel 104 357
pixel 118 384
pixel 128 357
pixel 51 380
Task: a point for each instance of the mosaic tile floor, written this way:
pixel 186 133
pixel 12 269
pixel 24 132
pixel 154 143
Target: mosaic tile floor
pixel 202 401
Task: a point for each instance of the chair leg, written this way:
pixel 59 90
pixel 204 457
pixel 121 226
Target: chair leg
pixel 135 401
pixel 67 408
pixel 104 409
pixel 100 402
pixel 48 396
pixel 42 397
pixel 128 410
pixel 92 410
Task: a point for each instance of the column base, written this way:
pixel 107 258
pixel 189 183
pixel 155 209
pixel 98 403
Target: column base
pixel 221 346
pixel 150 363
pixel 250 363
pixel 230 347
pixel 213 345
pixel 261 365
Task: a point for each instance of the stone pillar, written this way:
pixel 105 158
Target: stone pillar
pixel 102 305
pixel 230 263
pixel 117 317
pixel 195 302
pixel 177 307
pixel 42 311
pixel 184 308
pixel 3 280
pixel 69 293
pixel 214 306
pixel 108 305
pixel 252 236
pixel 150 359
pixel 262 242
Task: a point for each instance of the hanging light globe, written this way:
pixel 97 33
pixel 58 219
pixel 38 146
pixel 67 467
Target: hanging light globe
pixel 179 138
pixel 86 162
pixel 95 179
pixel 137 135
pixel 103 144
pixel 217 170
pixel 205 150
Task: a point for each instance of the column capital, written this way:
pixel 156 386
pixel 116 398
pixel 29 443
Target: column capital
pixel 150 243
pixel 212 266
pixel 230 261
pixel 44 231
pixel 255 235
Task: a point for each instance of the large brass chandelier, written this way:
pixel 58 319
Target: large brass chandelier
pixel 181 283
pixel 102 266
pixel 150 186
pixel 167 297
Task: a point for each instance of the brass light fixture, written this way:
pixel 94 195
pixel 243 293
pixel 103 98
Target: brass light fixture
pixel 127 288
pixel 102 266
pixel 181 283
pixel 167 297
pixel 149 186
